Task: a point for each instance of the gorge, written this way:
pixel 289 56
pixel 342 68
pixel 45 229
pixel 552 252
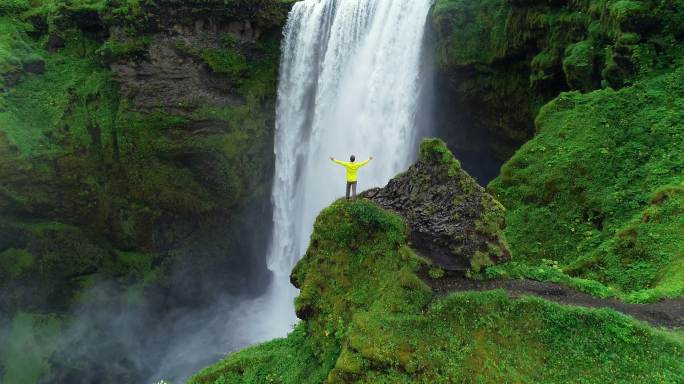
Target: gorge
pixel 147 228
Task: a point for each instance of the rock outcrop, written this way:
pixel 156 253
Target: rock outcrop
pixel 452 220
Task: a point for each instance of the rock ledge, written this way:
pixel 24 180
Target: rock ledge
pixel 453 221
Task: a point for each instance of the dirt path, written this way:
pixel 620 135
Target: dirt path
pixel 667 313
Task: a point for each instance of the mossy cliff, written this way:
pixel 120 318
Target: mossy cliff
pixel 131 134
pixel 135 148
pixel 597 188
pixel 370 318
pixel 505 59
pixel 596 85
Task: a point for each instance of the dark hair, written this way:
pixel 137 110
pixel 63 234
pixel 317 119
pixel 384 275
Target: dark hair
pixel 352 158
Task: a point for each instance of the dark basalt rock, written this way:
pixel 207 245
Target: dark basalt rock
pixel 453 221
pixel 171 79
pixel 54 43
pixel 34 65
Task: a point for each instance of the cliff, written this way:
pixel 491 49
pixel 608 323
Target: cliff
pixel 132 133
pixel 135 151
pixel 500 61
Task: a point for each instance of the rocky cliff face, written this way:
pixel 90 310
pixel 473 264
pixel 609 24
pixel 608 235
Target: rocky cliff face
pixel 451 219
pixel 136 132
pixel 135 149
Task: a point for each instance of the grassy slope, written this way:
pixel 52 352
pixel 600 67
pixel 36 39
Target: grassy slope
pixel 597 189
pixel 370 319
pixel 585 195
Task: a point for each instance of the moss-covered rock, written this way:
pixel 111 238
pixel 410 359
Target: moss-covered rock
pixel 135 148
pixel 583 191
pixel 369 318
pixel 145 127
pixel 452 220
pixel 504 59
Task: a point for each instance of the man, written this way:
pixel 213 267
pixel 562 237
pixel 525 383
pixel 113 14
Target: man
pixel 351 167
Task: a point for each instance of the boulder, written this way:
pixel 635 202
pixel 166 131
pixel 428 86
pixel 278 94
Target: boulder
pixel 452 220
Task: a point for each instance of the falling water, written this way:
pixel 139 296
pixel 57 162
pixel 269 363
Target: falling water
pixel 350 83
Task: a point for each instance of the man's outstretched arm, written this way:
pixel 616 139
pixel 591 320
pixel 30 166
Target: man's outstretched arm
pixel 342 163
pixel 361 164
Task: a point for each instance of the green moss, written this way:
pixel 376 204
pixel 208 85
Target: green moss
pixel 480 260
pixel 644 257
pixel 483 36
pixel 290 360
pixel 502 60
pixel 543 272
pixel 94 186
pixel 14 261
pixel 134 181
pixel 15 49
pixel 578 66
pixel 436 273
pixel 493 218
pixel 74 94
pixel 436 148
pixel 120 48
pixel 581 191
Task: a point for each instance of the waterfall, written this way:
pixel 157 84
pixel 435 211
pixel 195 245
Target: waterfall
pixel 350 83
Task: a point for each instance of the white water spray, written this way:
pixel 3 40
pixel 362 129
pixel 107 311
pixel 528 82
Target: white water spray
pixel 350 83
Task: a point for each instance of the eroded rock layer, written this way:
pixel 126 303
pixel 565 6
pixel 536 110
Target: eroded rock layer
pixel 452 219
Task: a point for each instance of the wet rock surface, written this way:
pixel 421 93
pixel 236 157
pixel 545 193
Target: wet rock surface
pixel 453 221
pixel 171 79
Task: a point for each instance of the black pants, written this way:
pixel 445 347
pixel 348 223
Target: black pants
pixel 351 185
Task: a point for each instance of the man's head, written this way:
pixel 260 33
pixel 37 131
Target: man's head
pixel 352 158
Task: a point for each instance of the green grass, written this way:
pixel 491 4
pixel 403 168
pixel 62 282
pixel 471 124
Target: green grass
pixel 370 319
pixel 75 91
pixel 597 188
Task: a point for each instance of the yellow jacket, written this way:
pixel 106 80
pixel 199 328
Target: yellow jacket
pixel 351 168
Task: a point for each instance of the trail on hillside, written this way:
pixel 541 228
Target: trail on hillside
pixel 667 313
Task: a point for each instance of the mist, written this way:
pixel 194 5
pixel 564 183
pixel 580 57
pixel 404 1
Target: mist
pixel 209 303
pixel 110 340
pixel 369 95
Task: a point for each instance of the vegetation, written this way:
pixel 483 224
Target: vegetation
pixel 505 59
pixel 593 198
pixel 97 188
pixel 600 191
pixel 118 170
pixel 370 319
